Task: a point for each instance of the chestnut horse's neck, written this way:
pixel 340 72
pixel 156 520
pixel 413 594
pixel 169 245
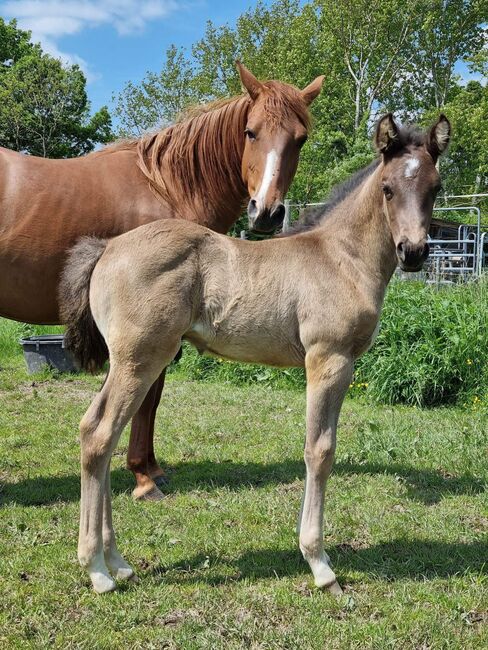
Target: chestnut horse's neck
pixel 195 165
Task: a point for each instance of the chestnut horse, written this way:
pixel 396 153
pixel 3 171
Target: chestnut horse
pixel 310 299
pixel 200 169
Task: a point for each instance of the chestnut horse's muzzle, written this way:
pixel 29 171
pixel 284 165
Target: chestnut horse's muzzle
pixel 412 256
pixel 267 219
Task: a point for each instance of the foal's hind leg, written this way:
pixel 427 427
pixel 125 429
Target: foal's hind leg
pixel 328 377
pixel 100 430
pixel 116 564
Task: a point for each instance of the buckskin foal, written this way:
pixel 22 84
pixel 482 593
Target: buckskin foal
pixel 200 169
pixel 313 298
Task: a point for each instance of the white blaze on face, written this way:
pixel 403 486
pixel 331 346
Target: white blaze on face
pixel 412 167
pixel 269 172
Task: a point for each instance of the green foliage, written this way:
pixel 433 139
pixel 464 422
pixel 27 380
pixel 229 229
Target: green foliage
pixel 159 98
pixel 44 109
pixel 466 166
pixel 432 347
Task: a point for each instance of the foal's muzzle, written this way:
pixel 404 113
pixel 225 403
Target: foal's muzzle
pixel 412 256
pixel 265 219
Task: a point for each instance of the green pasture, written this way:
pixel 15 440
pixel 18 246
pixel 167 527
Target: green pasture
pixel 406 523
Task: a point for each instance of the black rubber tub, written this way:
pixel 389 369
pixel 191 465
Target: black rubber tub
pixel 47 350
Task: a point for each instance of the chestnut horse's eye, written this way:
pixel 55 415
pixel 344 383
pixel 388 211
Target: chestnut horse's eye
pixel 250 134
pixel 301 141
pixel 388 192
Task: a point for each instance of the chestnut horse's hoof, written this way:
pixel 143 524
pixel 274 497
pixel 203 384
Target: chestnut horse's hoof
pixel 145 494
pixel 161 481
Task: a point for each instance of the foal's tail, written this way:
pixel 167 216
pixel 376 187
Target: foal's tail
pixel 82 335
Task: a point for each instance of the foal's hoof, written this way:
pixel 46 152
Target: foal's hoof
pixel 161 481
pixel 126 574
pixel 102 584
pixel 335 589
pixel 153 494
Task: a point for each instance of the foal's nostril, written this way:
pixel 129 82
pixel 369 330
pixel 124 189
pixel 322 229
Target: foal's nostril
pixel 401 250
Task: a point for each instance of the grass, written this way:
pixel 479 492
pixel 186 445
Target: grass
pixel 406 525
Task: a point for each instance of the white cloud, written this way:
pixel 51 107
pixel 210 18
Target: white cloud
pixel 49 20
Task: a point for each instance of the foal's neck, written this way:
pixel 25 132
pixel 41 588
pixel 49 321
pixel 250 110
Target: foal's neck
pixel 363 221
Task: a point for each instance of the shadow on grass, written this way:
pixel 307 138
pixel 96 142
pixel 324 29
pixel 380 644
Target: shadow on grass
pixel 424 485
pixel 387 561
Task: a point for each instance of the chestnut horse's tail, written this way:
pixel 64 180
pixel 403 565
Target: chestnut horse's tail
pixel 82 335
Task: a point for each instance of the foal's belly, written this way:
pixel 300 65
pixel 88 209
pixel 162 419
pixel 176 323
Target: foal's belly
pixel 249 347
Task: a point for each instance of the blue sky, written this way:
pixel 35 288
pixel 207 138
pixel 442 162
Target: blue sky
pixel 115 41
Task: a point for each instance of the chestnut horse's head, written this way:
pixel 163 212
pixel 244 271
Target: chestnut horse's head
pixel 276 129
pixel 410 183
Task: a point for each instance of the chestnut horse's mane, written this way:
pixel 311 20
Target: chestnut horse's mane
pixel 202 151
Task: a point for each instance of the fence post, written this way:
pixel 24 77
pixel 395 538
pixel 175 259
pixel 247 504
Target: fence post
pixel 286 220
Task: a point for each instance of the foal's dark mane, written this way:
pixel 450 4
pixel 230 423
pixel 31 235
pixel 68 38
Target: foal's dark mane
pixel 311 217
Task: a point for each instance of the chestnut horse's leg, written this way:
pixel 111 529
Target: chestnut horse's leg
pixel 155 471
pixel 140 457
pixel 328 377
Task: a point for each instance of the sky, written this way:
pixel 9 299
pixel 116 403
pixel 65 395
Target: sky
pixel 115 41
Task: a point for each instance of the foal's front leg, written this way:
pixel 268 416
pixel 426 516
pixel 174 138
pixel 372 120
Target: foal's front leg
pixel 328 377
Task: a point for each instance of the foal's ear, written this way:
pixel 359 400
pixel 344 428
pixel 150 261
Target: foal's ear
pixel 310 92
pixel 249 81
pixel 439 136
pixel 386 135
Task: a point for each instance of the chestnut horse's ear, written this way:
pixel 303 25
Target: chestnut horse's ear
pixel 249 81
pixel 386 135
pixel 310 92
pixel 439 136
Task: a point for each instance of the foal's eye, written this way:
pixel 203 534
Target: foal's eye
pixel 301 141
pixel 388 192
pixel 250 134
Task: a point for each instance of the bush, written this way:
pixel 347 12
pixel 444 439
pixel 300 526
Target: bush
pixel 432 347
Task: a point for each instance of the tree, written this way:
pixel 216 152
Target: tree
pixel 447 32
pixel 44 109
pixel 159 98
pixel 465 168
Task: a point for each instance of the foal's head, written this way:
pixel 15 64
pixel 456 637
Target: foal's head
pixel 276 129
pixel 410 183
